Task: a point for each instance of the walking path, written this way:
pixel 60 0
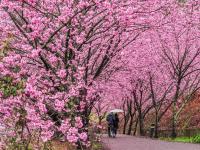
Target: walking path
pixel 124 142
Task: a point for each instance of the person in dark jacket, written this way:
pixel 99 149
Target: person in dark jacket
pixel 110 119
pixel 116 124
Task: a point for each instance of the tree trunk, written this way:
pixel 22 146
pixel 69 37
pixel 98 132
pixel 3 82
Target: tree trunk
pixel 100 120
pixel 156 126
pixel 126 119
pixel 173 134
pixel 130 125
pixel 141 125
pixel 135 129
pixel 124 127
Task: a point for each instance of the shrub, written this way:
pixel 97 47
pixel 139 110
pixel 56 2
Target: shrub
pixel 196 139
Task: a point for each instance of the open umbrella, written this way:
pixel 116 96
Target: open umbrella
pixel 117 110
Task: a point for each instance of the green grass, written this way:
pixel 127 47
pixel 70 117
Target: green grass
pixel 183 139
pixel 178 139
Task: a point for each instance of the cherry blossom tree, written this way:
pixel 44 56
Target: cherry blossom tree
pixel 66 53
pixel 60 49
pixel 161 58
pixel 181 51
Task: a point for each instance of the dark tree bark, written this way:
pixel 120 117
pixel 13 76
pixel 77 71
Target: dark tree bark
pixel 130 125
pixel 135 128
pixel 126 119
pixel 141 123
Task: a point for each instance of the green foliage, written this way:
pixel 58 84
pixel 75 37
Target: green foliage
pixel 10 88
pixel 196 139
pixel 178 139
pixel 183 139
pixel 18 145
pixel 15 144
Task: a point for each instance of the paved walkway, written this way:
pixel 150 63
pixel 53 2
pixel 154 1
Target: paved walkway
pixel 123 142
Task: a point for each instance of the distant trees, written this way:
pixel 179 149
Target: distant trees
pixel 62 51
pixel 163 75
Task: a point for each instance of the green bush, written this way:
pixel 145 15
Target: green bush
pixel 196 139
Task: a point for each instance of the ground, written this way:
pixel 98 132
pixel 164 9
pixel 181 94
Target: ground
pixel 123 142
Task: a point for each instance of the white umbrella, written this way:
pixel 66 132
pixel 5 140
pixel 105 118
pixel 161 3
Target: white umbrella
pixel 117 110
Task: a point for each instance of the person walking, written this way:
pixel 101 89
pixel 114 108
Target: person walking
pixel 110 119
pixel 116 124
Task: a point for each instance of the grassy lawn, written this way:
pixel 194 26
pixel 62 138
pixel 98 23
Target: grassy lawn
pixel 178 139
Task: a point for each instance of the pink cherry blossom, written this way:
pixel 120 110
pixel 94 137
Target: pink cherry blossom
pixel 83 136
pixel 61 73
pixel 70 57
